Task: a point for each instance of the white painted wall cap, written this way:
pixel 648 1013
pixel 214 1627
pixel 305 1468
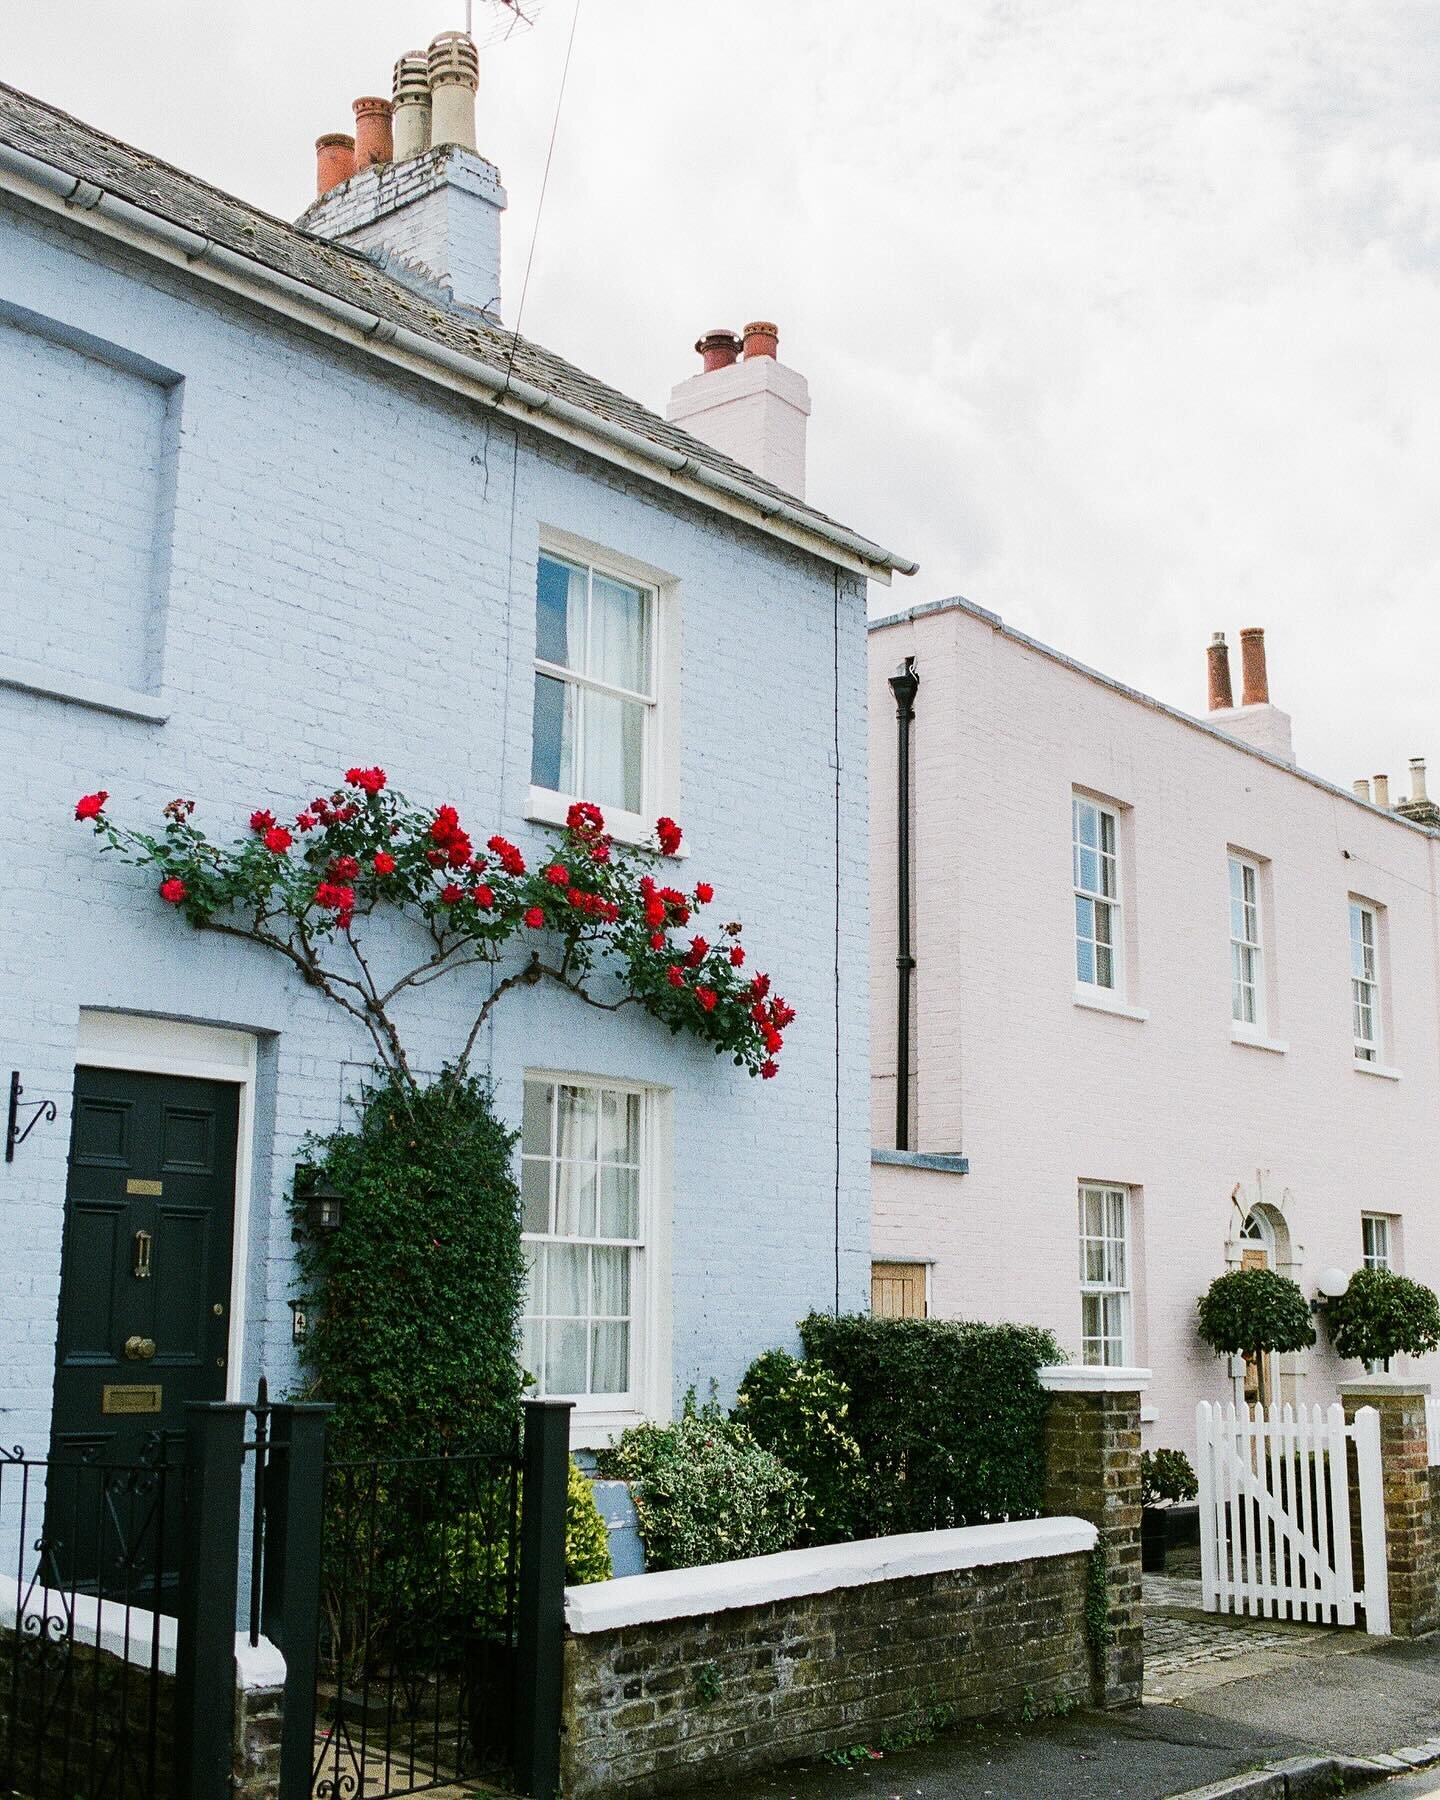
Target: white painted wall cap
pixel 1082 1378
pixel 758 1580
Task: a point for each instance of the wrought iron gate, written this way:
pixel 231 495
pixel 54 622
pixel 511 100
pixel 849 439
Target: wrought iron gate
pixel 417 1635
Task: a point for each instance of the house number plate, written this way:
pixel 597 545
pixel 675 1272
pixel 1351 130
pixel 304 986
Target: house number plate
pixel 133 1399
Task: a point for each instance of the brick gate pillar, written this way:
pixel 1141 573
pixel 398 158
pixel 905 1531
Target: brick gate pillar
pixel 1410 1544
pixel 1092 1471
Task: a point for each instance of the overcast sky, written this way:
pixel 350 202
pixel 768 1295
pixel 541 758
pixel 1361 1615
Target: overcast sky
pixel 1121 316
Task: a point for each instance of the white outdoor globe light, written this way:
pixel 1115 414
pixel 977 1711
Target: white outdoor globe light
pixel 1333 1283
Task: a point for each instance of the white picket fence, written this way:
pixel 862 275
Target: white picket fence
pixel 1275 1517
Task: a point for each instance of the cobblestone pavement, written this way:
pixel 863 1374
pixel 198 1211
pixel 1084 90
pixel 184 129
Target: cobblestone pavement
pixel 1187 1649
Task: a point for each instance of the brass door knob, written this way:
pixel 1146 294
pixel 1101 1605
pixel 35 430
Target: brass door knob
pixel 139 1349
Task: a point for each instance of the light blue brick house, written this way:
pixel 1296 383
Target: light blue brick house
pixel 271 509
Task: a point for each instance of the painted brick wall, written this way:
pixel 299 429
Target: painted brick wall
pixel 1041 1093
pixel 652 1707
pixel 352 578
pixel 84 445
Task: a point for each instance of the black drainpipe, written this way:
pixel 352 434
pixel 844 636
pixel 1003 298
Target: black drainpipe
pixel 904 685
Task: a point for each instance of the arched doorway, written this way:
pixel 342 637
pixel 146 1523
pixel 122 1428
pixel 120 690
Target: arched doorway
pixel 1262 1234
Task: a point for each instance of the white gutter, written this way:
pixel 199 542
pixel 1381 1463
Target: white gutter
pixel 59 192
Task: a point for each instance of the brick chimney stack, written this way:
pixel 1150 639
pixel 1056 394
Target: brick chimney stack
pixel 748 404
pixel 1255 721
pixel 415 191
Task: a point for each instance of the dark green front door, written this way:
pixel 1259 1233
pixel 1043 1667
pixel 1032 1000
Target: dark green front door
pixel 144 1303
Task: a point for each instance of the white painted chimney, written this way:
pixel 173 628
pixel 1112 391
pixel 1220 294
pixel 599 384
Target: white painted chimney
pixel 750 406
pixel 437 206
pixel 1380 786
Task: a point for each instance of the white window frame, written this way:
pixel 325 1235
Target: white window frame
pixel 659 778
pixel 1365 990
pixel 598 1418
pixel 1377 1241
pixel 1118 1283
pixel 1111 814
pixel 1249 943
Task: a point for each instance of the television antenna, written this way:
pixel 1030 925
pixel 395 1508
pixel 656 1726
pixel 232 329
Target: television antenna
pixel 494 21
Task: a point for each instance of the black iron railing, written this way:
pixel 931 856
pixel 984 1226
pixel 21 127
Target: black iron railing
pixel 417 1639
pixel 88 1559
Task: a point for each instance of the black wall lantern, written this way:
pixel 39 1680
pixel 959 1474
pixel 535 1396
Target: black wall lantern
pixel 324 1203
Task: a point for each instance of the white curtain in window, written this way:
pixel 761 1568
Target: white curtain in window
pixel 575 1174
pixel 610 1303
pixel 619 647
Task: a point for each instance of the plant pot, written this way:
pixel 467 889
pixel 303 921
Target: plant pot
pixel 1153 1534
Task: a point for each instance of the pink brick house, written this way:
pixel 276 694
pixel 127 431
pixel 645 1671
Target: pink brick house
pixel 1174 1007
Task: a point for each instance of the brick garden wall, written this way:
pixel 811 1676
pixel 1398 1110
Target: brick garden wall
pixel 728 1688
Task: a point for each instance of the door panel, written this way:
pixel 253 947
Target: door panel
pixel 144 1300
pixel 897 1290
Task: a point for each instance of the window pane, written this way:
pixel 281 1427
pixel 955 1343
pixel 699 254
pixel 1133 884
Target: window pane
pixel 1104 967
pixel 1087 864
pixel 1087 824
pixel 575 1199
pixel 1107 833
pixel 619 1127
pixel 532 1352
pixel 610 1284
pixel 1084 961
pixel 559 613
pixel 619 635
pixel 552 754
pixel 578 1124
pixel 535 1123
pixel 535 1194
pixel 619 1203
pixel 613 755
pixel 610 1372
pixel 565 1356
pixel 566 1280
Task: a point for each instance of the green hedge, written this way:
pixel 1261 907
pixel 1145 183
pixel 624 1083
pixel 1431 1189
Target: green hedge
pixel 948 1417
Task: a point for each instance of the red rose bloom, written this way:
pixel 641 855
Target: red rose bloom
pixel 704 893
pixel 384 863
pixel 675 975
pixel 483 896
pixel 173 890
pixel 737 956
pixel 336 897
pixel 585 819
pixel 669 834
pixel 655 911
pixel 600 853
pixel 435 858
pixel 458 855
pixel 90 806
pixel 608 911
pixel 304 821
pixel 657 941
pixel 277 840
pixel 769 1069
pixel 345 917
pixel 707 998
pixel 344 868
pixel 511 861
pixel 773 1039
pixel 445 825
pixel 558 875
pixel 372 780
pixel 535 918
pixel 262 821
pixel 760 987
pixel 452 895
pixel 782 1014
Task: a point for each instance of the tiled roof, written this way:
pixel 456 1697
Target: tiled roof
pixel 71 146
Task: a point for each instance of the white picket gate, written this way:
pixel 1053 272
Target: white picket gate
pixel 1275 1513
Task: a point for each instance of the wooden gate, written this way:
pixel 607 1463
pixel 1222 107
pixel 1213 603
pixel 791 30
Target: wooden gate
pixel 1275 1514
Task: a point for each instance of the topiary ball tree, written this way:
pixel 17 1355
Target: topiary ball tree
pixel 1382 1314
pixel 1248 1312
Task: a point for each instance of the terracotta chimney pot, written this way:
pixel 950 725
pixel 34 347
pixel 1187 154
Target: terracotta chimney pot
pixel 718 348
pixel 761 339
pixel 374 141
pixel 1222 696
pixel 1256 690
pixel 334 160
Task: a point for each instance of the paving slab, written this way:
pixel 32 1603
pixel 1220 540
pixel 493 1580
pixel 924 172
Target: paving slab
pixel 1144 1753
